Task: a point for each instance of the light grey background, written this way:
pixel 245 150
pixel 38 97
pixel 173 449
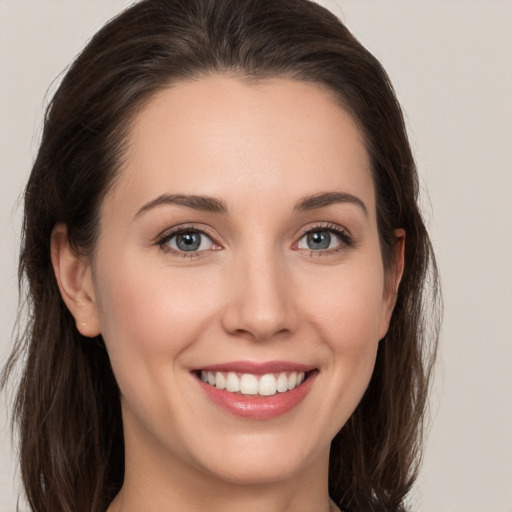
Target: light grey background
pixel 451 63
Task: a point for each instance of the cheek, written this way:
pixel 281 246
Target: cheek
pixel 348 304
pixel 148 311
pixel 346 310
pixel 342 309
pixel 149 317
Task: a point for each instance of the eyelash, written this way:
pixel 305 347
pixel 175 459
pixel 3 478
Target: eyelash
pixel 164 239
pixel 347 240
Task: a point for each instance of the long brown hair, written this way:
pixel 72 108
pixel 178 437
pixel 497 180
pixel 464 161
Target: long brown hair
pixel 67 407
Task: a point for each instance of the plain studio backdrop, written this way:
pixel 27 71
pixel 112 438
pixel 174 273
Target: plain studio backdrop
pixel 451 64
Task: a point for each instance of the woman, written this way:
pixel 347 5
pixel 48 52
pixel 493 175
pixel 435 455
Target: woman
pixel 226 267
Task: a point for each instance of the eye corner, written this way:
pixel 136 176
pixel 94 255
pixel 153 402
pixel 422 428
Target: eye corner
pixel 198 244
pixel 329 233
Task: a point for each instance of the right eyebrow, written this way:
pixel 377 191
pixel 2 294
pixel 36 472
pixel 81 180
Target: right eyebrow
pixel 202 203
pixel 325 199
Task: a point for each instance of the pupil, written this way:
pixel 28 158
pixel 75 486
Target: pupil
pixel 319 240
pixel 188 241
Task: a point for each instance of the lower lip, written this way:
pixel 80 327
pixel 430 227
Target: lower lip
pixel 258 407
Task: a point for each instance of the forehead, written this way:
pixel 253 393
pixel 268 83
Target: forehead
pixel 243 141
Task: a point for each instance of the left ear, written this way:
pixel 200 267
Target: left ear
pixel 74 278
pixel 393 278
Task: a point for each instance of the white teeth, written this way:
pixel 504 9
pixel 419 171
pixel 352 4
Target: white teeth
pixel 282 383
pixel 220 381
pixel 232 382
pixel 292 380
pixel 248 384
pixel 267 385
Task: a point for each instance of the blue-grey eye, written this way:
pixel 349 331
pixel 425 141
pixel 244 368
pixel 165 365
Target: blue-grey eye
pixel 319 240
pixel 190 241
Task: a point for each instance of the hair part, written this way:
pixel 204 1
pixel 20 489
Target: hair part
pixel 67 407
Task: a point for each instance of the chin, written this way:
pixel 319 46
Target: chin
pixel 258 471
pixel 259 459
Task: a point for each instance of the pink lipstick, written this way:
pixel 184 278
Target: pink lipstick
pixel 255 390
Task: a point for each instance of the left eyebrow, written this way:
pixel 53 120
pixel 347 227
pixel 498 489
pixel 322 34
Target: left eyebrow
pixel 324 199
pixel 203 203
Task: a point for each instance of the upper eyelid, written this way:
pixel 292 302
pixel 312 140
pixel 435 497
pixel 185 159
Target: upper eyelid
pixel 181 228
pixel 163 239
pixel 327 226
pixel 347 240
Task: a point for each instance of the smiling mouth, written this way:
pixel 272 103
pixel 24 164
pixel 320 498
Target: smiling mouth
pixel 267 384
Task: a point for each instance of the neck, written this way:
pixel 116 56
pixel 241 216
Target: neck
pixel 258 499
pixel 155 482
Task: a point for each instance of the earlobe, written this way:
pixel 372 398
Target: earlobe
pixel 74 278
pixel 393 281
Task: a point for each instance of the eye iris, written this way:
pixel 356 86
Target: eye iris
pixel 188 241
pixel 319 240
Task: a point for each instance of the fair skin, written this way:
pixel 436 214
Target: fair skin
pixel 256 287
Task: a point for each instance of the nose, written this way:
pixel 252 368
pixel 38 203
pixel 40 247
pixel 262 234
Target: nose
pixel 261 302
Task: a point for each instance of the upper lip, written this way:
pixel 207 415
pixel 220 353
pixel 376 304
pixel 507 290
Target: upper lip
pixel 257 368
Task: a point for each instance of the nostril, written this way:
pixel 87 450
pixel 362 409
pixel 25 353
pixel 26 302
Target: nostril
pixel 260 311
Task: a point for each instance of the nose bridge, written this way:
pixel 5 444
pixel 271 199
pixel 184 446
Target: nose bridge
pixel 260 302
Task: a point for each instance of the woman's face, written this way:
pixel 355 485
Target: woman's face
pixel 240 239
